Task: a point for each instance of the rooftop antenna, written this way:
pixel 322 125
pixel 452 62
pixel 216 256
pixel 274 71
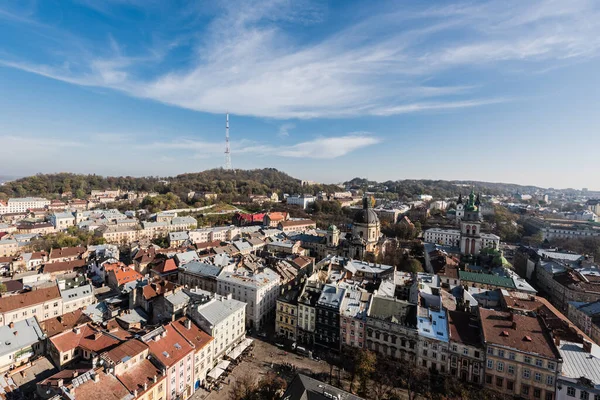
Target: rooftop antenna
pixel 227 149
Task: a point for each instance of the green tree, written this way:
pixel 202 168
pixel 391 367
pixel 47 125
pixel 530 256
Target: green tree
pixel 365 362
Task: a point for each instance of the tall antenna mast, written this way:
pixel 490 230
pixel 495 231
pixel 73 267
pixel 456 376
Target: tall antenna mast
pixel 227 150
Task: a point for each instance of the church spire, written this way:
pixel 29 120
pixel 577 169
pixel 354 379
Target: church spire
pixel 459 199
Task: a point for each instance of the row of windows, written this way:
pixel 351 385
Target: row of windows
pixel 527 373
pixel 526 359
pixel 583 395
pixel 526 390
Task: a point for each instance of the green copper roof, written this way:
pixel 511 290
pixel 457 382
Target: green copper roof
pixel 486 279
pixel 471 206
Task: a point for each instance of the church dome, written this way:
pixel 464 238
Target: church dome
pixel 366 216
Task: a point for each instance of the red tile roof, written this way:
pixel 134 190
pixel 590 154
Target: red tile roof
pixel 301 222
pixel 165 266
pixel 54 326
pixel 526 334
pixel 67 252
pixel 86 337
pixel 165 349
pixel 27 299
pixel 464 328
pixel 125 275
pixel 142 372
pixel 208 245
pixel 131 348
pixel 144 256
pixel 156 288
pixel 66 375
pixel 194 334
pixel 108 387
pixel 277 216
pixel 64 266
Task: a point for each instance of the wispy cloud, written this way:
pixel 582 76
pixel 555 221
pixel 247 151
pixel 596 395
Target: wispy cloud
pixel 247 61
pixel 284 130
pixel 319 148
pixel 449 105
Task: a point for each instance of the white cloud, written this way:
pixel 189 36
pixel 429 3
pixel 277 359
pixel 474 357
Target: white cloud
pixel 284 130
pixel 248 63
pixel 319 148
pixel 418 107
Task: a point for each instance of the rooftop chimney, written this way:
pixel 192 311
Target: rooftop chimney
pixel 96 377
pixel 155 379
pixel 188 324
pixel 60 382
pixel 11 325
pixel 145 385
pixel 587 346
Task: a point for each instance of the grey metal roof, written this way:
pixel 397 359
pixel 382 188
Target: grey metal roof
pixel 77 293
pixel 578 363
pixel 216 311
pixel 178 235
pixel 201 268
pixel 560 256
pixel 331 296
pixel 134 316
pixel 242 245
pixel 60 215
pixel 184 221
pixel 178 298
pixel 22 335
pixel 187 257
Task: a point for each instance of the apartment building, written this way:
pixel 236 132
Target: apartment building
pixel 130 364
pixel 392 328
pixel 62 220
pixel 296 225
pixel 42 303
pixel 432 326
pixel 258 289
pixel 175 354
pixel 199 274
pixel 8 247
pixel 85 342
pixel 286 315
pixel 21 341
pixel 353 317
pixel 77 297
pixel 223 318
pixel 327 325
pixel 466 352
pixel 586 316
pixel 202 343
pixel 307 313
pixel 521 357
pixel 22 204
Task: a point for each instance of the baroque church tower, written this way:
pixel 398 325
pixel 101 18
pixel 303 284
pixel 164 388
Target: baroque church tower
pixel 470 227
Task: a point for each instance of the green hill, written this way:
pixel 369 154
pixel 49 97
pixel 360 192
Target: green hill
pixel 233 183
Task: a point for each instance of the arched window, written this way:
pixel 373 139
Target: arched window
pixel 467 245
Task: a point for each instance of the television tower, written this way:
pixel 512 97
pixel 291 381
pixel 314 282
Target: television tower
pixel 227 149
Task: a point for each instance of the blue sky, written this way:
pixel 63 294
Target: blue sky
pixel 498 90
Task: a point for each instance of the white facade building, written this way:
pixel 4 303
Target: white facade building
pixel 223 318
pixel 63 220
pixel 258 290
pixel 22 204
pixel 302 201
